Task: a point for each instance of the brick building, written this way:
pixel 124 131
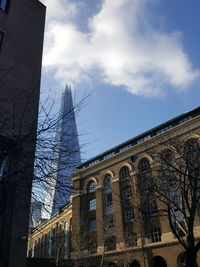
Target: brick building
pixel 112 223
pixel 51 239
pixel 107 224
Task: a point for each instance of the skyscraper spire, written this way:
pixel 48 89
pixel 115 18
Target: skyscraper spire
pixel 68 157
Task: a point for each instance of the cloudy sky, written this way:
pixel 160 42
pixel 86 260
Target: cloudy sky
pixel 138 59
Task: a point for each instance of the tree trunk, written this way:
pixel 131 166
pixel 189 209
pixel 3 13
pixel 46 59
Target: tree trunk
pixel 191 258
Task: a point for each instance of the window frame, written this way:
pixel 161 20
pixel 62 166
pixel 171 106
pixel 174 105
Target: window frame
pixel 127 192
pixel 1 39
pixel 154 235
pixel 144 165
pixel 124 173
pixel 91 187
pixel 92 204
pixel 6 7
pixel 107 183
pixel 132 240
pixel 129 215
pixel 92 225
pixel 107 202
pixel 109 220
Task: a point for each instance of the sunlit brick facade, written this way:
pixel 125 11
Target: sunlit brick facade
pixel 51 239
pixel 106 220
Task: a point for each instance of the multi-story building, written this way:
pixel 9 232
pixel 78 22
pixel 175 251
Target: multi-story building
pixel 114 219
pixel 51 239
pixel 109 224
pixel 21 43
pixel 67 155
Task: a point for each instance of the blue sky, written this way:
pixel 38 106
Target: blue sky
pixel 138 59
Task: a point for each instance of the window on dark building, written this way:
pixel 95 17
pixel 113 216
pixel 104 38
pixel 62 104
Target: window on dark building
pixel 1 39
pixel 4 5
pixel 4 163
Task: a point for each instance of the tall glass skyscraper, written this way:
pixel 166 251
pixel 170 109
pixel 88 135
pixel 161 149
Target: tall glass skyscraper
pixel 68 157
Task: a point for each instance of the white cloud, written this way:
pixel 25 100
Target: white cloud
pixel 120 44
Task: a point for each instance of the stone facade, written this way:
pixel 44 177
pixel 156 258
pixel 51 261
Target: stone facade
pixel 106 203
pixel 107 227
pixel 51 239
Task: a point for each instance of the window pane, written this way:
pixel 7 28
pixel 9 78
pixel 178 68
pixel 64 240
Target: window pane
pixel 128 214
pixel 108 199
pixel 91 187
pixel 109 220
pixel 107 182
pixel 124 173
pixel 92 224
pixel 1 38
pixel 154 235
pixel 131 240
pixel 3 4
pixel 92 204
pixel 126 192
pixel 144 165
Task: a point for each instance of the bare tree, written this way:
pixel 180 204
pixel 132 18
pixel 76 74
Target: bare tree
pixel 175 183
pixel 51 145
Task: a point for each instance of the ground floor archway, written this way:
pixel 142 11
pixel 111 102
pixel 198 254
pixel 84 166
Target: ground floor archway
pixel 159 261
pixel 135 263
pixel 181 260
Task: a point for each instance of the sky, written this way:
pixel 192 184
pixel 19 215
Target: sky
pixel 138 60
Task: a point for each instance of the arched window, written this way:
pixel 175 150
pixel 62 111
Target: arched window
pixel 107 183
pixel 107 192
pixel 124 173
pixel 167 156
pixel 91 187
pixel 110 243
pixel 144 165
pixel 135 263
pixel 191 145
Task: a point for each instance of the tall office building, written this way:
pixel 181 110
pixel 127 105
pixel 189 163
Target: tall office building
pixel 21 43
pixel 68 157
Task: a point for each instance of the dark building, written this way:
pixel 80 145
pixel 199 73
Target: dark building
pixel 21 43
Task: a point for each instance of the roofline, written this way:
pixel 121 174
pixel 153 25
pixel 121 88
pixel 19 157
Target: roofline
pixel 149 133
pixel 61 210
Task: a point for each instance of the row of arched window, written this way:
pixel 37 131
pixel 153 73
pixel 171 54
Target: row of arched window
pixel 144 166
pixel 124 173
